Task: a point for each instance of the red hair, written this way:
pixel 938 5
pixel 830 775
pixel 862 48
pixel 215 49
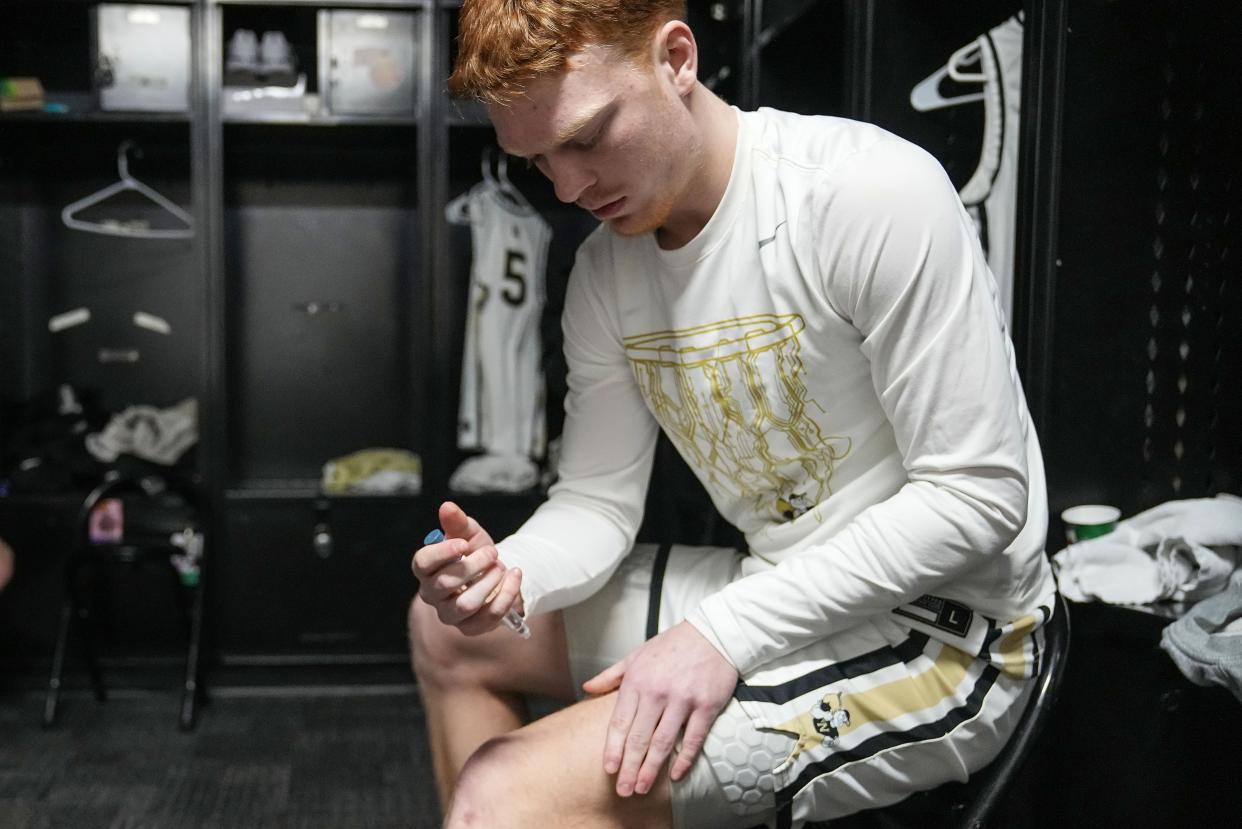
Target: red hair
pixel 504 44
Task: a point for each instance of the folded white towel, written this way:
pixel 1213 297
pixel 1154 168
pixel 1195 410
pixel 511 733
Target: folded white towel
pixel 1179 551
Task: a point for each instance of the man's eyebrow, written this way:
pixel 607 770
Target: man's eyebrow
pixel 570 132
pixel 578 126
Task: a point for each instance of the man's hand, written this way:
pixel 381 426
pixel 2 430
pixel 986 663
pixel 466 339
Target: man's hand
pixel 462 577
pixel 676 679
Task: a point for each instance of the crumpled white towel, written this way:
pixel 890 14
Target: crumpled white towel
pixel 1207 521
pixel 158 435
pixel 494 473
pixel 1180 551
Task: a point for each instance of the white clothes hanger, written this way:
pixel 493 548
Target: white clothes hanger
pixel 457 211
pixel 501 180
pixel 926 94
pixel 127 182
pixel 966 55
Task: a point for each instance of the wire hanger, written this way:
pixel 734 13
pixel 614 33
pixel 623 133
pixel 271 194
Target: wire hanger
pixel 457 211
pixel 926 94
pixel 69 214
pixel 500 181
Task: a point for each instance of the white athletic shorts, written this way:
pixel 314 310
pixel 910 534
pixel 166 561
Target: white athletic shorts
pixel 901 703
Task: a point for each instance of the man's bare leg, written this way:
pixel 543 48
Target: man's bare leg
pixel 551 774
pixel 472 687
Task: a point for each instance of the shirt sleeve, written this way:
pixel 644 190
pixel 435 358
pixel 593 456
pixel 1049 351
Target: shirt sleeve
pixel 899 258
pixel 574 540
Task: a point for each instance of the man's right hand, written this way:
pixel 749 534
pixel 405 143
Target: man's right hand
pixel 458 576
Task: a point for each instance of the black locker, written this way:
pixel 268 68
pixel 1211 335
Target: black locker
pixel 326 578
pixel 322 263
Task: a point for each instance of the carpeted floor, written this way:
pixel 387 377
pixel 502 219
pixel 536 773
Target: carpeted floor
pixel 321 758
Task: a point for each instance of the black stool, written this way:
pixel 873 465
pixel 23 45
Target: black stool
pixel 159 511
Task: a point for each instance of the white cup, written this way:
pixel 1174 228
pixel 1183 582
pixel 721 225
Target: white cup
pixel 1089 521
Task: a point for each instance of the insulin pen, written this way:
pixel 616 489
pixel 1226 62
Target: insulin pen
pixel 513 619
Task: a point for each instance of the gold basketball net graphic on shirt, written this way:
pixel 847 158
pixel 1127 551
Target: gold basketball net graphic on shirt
pixel 730 395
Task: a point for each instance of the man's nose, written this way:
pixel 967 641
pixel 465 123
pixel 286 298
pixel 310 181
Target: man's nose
pixel 570 178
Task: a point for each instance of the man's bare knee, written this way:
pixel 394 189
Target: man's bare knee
pixel 486 792
pixel 551 773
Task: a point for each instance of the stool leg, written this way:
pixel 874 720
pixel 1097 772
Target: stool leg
pixel 58 662
pixel 190 693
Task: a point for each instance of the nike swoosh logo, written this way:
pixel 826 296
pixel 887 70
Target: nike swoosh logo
pixel 771 238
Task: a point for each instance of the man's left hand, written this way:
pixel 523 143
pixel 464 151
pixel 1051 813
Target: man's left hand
pixel 675 679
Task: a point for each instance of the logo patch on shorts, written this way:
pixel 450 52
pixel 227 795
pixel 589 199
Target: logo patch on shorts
pixel 822 724
pixel 829 720
pixel 946 615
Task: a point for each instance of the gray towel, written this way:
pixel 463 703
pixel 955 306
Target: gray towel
pixel 1206 643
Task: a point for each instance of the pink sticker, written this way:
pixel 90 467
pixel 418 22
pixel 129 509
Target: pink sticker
pixel 107 522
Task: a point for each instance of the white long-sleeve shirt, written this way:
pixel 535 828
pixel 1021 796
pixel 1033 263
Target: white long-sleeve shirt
pixel 829 356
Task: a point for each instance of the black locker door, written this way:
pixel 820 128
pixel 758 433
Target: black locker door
pixel 276 592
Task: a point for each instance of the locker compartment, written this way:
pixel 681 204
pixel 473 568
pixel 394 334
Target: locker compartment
pixel 369 61
pixel 142 57
pixel 316 578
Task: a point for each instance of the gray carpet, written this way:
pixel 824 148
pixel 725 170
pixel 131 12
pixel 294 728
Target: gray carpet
pixel 323 758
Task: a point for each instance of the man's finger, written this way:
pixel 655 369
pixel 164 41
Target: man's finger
pixel 469 601
pixel 618 727
pixel 451 579
pixel 636 744
pixel 663 741
pixel 456 523
pixel 505 595
pixel 430 559
pixel 606 680
pixel 502 602
pixel 692 743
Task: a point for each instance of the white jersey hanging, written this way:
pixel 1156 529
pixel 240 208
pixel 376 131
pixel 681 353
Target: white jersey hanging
pixel 502 387
pixel 991 193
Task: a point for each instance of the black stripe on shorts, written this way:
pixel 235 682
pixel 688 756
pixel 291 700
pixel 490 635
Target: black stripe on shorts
pixel 993 633
pixel 657 589
pixel 881 742
pixel 907 651
pixel 1037 655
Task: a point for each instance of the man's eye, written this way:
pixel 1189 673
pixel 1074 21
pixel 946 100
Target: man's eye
pixel 588 143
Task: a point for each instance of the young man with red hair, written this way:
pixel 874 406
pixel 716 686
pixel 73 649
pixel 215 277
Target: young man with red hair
pixel 802 304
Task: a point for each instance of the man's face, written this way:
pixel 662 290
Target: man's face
pixel 612 136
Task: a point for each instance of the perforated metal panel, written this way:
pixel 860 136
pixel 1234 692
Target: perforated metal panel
pixel 1145 398
pixel 1193 321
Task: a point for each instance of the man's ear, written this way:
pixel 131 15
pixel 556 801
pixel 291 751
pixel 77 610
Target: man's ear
pixel 678 55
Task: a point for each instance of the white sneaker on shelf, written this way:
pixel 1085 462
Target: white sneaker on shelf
pixel 243 52
pixel 275 54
